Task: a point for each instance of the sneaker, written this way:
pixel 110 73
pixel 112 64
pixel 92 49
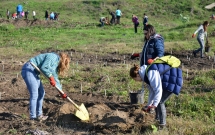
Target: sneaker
pixel 194 53
pixel 161 126
pixel 42 118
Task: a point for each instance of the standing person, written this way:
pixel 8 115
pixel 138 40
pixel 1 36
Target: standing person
pixel 113 17
pixel 145 20
pixel 46 14
pixel 158 92
pixel 118 15
pixel 8 14
pixel 26 14
pixel 52 65
pixel 34 14
pixel 19 9
pixel 202 33
pixel 136 22
pixel 153 47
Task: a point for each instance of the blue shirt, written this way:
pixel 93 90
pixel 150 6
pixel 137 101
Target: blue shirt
pixel 118 12
pixel 48 63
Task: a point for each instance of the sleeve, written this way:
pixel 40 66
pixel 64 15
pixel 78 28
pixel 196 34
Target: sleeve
pixel 58 84
pixel 200 27
pixel 150 98
pixel 159 47
pixel 156 86
pixel 48 66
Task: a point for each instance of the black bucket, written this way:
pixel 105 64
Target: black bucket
pixel 137 98
pixel 207 49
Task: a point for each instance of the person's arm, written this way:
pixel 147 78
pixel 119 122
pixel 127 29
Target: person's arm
pixel 159 48
pixel 49 68
pixel 156 85
pixel 150 97
pixel 200 27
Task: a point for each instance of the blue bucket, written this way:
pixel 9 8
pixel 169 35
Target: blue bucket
pixel 137 97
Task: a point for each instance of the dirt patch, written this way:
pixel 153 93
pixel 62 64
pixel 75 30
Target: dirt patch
pixel 108 114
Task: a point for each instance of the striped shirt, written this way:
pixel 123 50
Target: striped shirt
pixel 48 63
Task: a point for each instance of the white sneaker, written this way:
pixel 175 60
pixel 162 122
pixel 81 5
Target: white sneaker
pixel 42 117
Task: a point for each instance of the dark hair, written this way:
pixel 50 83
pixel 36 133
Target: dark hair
pixel 150 30
pixel 134 71
pixel 205 24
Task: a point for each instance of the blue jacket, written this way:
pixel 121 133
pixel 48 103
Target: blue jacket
pixel 154 47
pixel 19 8
pixel 48 63
pixel 172 79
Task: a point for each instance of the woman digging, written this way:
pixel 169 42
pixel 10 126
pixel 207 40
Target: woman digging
pixel 51 65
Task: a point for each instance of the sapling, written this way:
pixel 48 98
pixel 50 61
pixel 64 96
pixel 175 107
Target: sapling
pixel 214 58
pixel 81 87
pixel 187 73
pixel 2 68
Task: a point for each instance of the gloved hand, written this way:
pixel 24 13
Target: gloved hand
pixel 193 35
pixel 52 81
pixel 134 55
pixel 150 61
pixel 63 95
pixel 149 109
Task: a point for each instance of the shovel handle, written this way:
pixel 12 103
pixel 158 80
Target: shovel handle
pixel 55 86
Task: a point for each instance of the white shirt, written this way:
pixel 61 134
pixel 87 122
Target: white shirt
pixel 34 13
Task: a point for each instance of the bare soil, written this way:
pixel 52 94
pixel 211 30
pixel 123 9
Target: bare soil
pixel 108 114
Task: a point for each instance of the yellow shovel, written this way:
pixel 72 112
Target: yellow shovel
pixel 82 112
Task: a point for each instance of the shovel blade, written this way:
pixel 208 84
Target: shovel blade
pixel 82 113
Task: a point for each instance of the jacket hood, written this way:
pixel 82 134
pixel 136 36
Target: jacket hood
pixel 157 36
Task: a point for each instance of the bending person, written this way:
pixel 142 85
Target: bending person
pixel 161 87
pixel 52 65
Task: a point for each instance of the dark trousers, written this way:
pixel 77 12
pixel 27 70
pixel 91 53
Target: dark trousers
pixel 117 19
pixel 135 27
pixel 112 21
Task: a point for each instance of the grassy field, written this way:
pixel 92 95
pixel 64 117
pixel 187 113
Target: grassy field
pixel 78 29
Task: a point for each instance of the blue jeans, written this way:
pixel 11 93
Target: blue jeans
pixel 201 42
pixel 161 109
pixel 35 88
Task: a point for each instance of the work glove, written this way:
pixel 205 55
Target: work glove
pixel 193 35
pixel 149 109
pixel 63 95
pixel 134 55
pixel 150 61
pixel 52 81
